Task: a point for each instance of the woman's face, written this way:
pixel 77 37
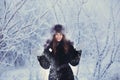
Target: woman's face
pixel 58 36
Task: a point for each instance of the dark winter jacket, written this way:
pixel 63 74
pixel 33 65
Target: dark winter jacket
pixel 59 62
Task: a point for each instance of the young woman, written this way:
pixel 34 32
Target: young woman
pixel 58 53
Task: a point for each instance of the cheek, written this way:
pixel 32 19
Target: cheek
pixel 61 37
pixel 56 37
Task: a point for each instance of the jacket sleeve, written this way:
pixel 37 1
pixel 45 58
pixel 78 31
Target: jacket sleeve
pixel 75 55
pixel 43 60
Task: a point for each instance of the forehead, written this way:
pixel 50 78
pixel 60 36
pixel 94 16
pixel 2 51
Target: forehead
pixel 58 33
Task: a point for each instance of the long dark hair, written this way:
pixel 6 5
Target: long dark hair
pixel 65 43
pixel 58 28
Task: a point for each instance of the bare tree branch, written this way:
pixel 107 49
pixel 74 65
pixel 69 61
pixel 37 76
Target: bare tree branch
pixel 12 26
pixel 98 63
pixel 7 64
pixel 115 48
pixel 116 51
pixel 96 41
pixel 22 3
pixel 111 61
pixel 55 14
pixel 103 54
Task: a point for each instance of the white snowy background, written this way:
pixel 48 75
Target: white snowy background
pixel 93 26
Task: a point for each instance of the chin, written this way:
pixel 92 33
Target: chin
pixel 58 40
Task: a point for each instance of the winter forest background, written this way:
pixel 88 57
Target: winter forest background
pixel 93 26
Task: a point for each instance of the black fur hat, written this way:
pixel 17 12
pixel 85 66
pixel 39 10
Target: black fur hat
pixel 58 28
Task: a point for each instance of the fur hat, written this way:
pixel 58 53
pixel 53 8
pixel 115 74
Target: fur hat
pixel 58 28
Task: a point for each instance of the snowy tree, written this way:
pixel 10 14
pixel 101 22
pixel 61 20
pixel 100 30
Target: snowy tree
pixel 92 25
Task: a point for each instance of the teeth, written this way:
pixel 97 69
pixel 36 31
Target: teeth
pixel 50 49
